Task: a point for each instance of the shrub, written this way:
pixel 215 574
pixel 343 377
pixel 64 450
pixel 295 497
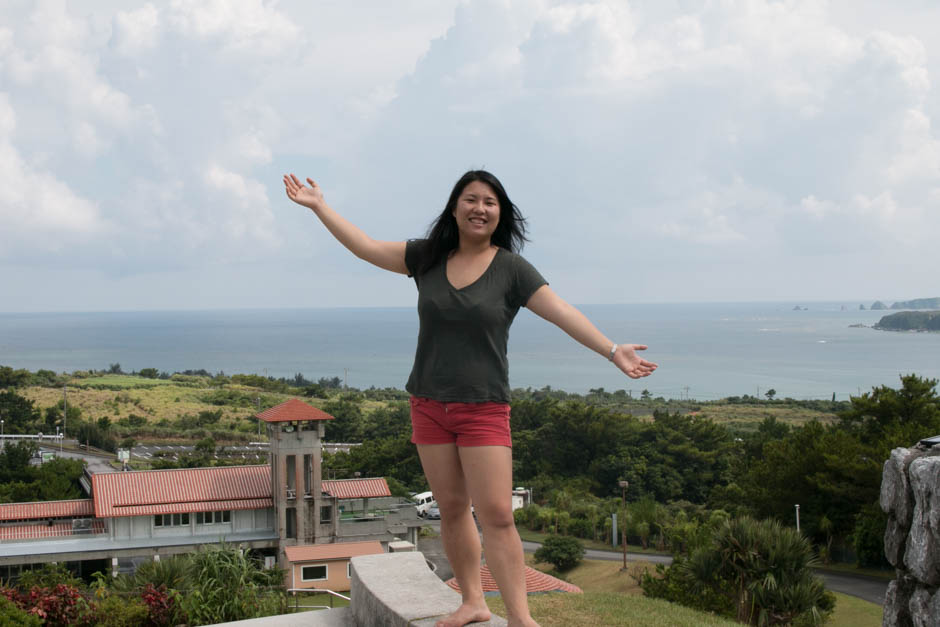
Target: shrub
pixel 12 616
pixel 868 537
pixel 114 611
pixel 764 568
pixel 563 552
pixel 672 583
pixel 162 606
pixel 47 576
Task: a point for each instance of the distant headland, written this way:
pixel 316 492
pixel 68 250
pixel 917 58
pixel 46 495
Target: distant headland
pixel 907 320
pixel 910 321
pixel 917 303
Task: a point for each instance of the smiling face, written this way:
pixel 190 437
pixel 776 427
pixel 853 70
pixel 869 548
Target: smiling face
pixel 477 211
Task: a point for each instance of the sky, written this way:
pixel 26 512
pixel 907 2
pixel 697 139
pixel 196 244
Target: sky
pixel 662 151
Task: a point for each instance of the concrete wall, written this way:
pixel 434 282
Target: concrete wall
pixel 910 495
pixel 337 578
pixel 140 527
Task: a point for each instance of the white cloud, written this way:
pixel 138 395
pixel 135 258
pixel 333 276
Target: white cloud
pixel 695 134
pixel 136 31
pixel 249 217
pixel 245 26
pixel 38 211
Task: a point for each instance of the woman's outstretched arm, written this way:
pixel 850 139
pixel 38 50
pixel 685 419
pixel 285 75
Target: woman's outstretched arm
pixel 386 255
pixel 547 304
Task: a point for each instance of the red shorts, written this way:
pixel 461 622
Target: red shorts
pixel 466 424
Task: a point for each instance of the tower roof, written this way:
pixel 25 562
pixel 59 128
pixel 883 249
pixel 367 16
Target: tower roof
pixel 293 409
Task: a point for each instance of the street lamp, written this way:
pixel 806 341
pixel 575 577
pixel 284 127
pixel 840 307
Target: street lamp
pixel 623 498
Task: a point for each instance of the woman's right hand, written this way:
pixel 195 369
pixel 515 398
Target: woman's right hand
pixel 310 197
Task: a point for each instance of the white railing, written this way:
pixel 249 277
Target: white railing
pixel 331 593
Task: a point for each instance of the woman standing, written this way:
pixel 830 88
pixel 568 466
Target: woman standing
pixel 471 283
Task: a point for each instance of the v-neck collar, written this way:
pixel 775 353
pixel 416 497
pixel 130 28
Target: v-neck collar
pixel 499 251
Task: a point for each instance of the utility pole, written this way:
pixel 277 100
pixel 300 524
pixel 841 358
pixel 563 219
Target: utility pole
pixel 797 517
pixel 65 412
pixel 259 419
pixel 623 499
pixel 345 378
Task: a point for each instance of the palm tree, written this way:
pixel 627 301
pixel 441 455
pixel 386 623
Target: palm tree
pixel 766 570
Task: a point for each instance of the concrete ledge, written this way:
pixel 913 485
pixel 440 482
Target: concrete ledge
pixel 399 590
pixel 339 617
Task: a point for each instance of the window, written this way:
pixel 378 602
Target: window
pixel 308 473
pixel 326 513
pixel 171 520
pixel 291 523
pixel 211 518
pixel 313 573
pixel 291 471
pixel 348 570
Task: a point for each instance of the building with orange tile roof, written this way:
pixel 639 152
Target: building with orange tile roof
pixel 272 508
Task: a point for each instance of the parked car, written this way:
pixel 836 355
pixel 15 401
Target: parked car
pixel 433 512
pixel 423 502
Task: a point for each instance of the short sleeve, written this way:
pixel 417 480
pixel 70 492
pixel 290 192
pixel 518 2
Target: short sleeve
pixel 527 281
pixel 415 251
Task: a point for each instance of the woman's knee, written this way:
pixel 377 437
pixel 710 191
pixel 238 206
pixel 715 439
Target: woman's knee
pixel 498 517
pixel 452 504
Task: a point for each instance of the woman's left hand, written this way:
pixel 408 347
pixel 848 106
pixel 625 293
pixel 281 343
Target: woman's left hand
pixel 632 364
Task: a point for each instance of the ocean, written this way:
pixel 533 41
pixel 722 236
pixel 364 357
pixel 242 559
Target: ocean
pixel 704 351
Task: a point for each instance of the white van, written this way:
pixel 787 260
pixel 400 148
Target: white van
pixel 423 502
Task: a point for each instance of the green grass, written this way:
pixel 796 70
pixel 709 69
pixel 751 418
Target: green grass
pixel 605 608
pixel 748 417
pixel 854 612
pixel 304 598
pixel 613 597
pixel 123 381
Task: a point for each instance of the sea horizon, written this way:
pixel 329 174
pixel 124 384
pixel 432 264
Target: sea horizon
pixel 706 350
pixel 790 302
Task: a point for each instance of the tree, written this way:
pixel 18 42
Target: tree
pixel 149 373
pixel 10 378
pixel 18 413
pixel 770 394
pixel 645 395
pixel 563 552
pixel 891 418
pixel 765 568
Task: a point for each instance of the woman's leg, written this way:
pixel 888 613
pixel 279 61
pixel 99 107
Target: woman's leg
pixel 488 472
pixel 459 534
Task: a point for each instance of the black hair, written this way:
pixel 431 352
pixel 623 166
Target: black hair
pixel 443 235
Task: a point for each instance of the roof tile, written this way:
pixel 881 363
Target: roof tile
pixel 535 581
pixel 356 488
pixel 181 490
pixel 335 551
pixel 74 508
pixel 293 409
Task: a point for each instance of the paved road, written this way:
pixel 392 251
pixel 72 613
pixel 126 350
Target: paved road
pixel 94 463
pixel 866 588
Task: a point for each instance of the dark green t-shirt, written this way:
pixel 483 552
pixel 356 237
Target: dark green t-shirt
pixel 463 334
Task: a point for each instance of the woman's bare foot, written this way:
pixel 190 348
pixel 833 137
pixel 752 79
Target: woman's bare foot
pixel 466 613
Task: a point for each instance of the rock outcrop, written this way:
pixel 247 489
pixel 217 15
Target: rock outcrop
pixel 910 495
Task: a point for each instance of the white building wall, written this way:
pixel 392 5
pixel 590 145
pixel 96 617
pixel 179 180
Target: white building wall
pixel 141 526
